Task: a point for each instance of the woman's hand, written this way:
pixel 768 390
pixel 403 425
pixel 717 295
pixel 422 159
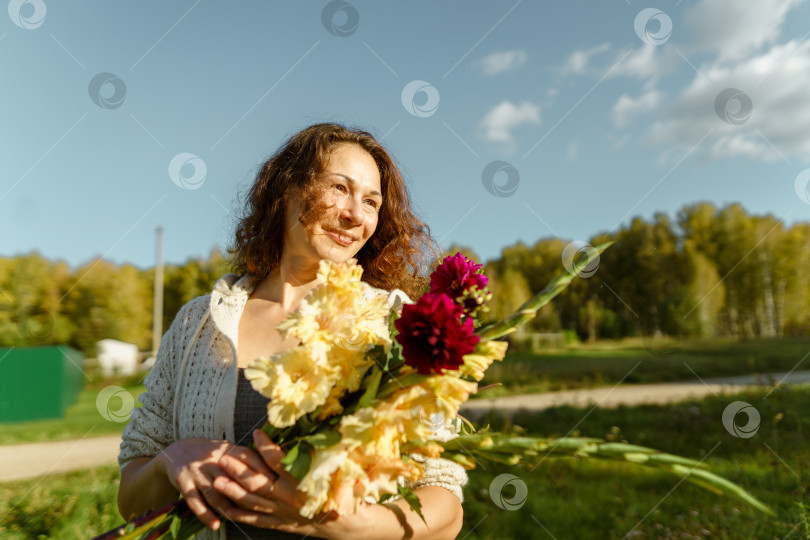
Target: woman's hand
pixel 268 501
pixel 192 466
pixel 274 502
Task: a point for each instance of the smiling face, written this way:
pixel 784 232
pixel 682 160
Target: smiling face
pixel 346 212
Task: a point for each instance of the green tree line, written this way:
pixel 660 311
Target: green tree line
pixel 48 303
pixel 709 272
pixel 712 272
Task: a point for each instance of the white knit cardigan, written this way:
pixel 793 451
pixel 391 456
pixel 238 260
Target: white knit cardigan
pixel 191 389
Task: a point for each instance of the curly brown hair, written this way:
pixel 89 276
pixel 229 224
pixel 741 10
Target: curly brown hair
pixel 395 256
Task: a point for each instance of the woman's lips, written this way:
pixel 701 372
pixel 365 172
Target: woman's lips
pixel 342 240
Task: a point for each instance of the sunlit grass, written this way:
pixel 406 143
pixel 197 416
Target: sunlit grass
pixel 570 498
pixel 590 499
pixel 80 504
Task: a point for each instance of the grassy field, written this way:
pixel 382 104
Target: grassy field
pixel 589 499
pixel 566 498
pixel 583 366
pixel 608 362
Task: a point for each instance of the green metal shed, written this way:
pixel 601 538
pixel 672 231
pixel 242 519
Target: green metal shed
pixel 39 382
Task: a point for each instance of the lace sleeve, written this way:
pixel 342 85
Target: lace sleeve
pixel 150 427
pixel 441 472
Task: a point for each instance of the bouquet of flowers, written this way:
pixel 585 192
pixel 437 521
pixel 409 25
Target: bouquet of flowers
pixel 369 393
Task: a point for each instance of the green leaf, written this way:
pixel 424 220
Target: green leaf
pixel 413 501
pixel 385 497
pixel 371 389
pixel 392 329
pixel 292 455
pixel 174 528
pixel 323 439
pixel 300 466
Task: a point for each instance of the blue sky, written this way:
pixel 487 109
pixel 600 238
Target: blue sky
pixel 600 112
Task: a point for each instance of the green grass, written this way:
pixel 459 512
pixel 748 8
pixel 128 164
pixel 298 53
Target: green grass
pixel 80 504
pixel 608 362
pixel 589 499
pixel 81 418
pixel 584 366
pixel 570 498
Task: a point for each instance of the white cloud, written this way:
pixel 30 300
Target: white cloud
pixel 627 107
pixel 734 29
pixel 577 62
pixel 779 124
pixel 499 122
pixel 501 62
pixel 647 63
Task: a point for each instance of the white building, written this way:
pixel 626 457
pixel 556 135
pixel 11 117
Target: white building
pixel 117 357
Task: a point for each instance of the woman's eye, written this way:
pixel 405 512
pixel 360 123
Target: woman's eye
pixel 341 187
pixel 372 202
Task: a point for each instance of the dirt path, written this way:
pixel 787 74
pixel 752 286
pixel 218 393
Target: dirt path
pixel 634 394
pixel 34 460
pixel 21 461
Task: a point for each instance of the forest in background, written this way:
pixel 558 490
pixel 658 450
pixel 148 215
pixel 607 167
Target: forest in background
pixel 709 272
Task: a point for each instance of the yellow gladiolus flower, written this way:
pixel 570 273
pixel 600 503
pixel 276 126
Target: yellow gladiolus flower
pixel 297 381
pixel 345 275
pixel 485 353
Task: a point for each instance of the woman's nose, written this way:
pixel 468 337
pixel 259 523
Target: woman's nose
pixel 352 210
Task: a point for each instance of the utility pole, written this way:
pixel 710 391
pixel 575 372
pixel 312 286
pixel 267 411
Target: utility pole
pixel 157 315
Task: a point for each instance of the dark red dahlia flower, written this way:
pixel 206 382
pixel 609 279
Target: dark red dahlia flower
pixel 432 336
pixel 461 279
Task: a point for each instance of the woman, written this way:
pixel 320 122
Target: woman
pixel 328 193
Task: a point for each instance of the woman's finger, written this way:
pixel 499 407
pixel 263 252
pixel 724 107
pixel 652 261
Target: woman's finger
pixel 249 457
pixel 196 504
pixel 270 452
pixel 252 481
pixel 243 498
pixel 204 485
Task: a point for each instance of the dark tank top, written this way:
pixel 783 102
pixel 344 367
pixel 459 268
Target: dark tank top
pixel 250 412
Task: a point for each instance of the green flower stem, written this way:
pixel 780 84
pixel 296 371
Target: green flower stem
pixel 403 381
pixel 529 309
pixel 513 450
pixel 158 524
